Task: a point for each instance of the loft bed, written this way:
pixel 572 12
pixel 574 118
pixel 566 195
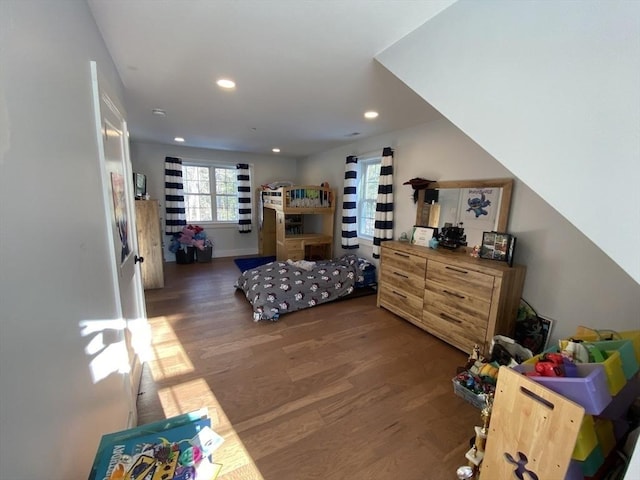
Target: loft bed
pixel 286 229
pixel 300 199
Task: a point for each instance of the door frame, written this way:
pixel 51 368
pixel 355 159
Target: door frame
pixel 136 327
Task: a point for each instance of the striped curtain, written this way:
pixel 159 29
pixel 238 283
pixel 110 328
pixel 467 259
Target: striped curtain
pixel 176 218
pixel 349 205
pixel 383 229
pixel 244 198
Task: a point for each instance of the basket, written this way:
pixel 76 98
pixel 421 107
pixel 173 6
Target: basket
pixel 204 256
pixel 184 257
pixel 478 400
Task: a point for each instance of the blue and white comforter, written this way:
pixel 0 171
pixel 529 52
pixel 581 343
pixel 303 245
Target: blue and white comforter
pixel 282 287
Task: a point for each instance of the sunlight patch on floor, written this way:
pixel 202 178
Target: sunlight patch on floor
pixel 169 358
pixel 196 394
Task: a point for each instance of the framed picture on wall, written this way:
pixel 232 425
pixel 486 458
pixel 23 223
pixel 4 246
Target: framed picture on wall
pixel 498 246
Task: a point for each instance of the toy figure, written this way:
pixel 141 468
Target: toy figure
pixel 477 205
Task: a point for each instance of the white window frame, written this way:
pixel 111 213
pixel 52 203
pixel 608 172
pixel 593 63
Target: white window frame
pixel 363 165
pixel 212 192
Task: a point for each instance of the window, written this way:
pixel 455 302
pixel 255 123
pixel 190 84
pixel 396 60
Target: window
pixel 210 193
pixel 368 174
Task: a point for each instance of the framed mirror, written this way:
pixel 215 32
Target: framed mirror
pixel 480 205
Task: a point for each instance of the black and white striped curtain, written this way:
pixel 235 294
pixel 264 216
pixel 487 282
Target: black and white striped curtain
pixel 349 205
pixel 175 216
pixel 244 198
pixel 383 229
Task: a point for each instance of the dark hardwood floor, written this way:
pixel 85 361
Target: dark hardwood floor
pixel 340 391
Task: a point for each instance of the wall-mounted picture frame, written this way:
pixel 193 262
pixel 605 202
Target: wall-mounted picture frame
pixel 422 235
pixel 498 246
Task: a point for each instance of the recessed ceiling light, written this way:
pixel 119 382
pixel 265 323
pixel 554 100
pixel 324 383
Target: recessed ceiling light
pixel 159 112
pixel 370 114
pixel 226 83
pixel 275 150
pixel 179 139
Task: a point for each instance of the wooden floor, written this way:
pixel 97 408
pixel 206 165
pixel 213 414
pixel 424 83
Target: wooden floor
pixel 340 391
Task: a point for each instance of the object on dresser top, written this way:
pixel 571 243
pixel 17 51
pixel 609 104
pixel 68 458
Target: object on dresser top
pixel 498 246
pixel 452 237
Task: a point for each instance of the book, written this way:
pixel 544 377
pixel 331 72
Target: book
pixel 179 448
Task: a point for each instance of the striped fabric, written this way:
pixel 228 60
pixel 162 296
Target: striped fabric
pixel 176 218
pixel 383 229
pixel 349 205
pixel 244 198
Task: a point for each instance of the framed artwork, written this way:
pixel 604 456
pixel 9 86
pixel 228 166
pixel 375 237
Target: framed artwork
pixel 532 331
pixel 120 214
pixel 498 246
pixel 422 235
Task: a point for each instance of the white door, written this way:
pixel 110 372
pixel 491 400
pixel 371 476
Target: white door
pixel 118 196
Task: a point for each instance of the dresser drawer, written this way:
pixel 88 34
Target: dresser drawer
pixel 463 280
pixel 400 303
pixel 459 304
pixel 402 280
pixel 404 262
pixel 458 333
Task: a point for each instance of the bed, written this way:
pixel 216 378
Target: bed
pixel 287 286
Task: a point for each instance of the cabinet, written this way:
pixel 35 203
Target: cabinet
pixel 459 299
pixel 297 223
pixel 149 236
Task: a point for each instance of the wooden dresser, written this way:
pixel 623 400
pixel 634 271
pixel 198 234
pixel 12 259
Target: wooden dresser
pixel 150 243
pixel 459 299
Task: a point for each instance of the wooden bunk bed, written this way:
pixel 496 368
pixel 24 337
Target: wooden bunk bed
pixel 297 222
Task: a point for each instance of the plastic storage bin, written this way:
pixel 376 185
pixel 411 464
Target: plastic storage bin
pixel 575 471
pixel 589 389
pixel 587 439
pixel 593 462
pixel 626 351
pixel 612 367
pixel 592 335
pixel 605 434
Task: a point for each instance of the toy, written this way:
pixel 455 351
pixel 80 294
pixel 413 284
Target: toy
pixel 477 205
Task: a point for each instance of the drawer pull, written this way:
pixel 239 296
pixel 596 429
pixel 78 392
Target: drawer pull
pixel 403 255
pixel 446 317
pixel 399 294
pixel 457 270
pixel 400 275
pixel 457 295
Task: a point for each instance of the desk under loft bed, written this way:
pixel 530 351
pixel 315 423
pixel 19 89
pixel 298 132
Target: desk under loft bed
pixel 297 222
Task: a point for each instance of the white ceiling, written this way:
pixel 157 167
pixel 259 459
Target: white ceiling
pixel 304 69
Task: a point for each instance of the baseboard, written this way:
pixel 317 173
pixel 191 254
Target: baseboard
pixel 226 253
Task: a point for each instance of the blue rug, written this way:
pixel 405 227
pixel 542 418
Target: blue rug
pixel 253 262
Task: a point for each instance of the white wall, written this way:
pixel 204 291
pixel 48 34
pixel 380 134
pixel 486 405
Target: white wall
pixel 569 279
pixel 550 89
pixel 148 158
pixel 55 262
